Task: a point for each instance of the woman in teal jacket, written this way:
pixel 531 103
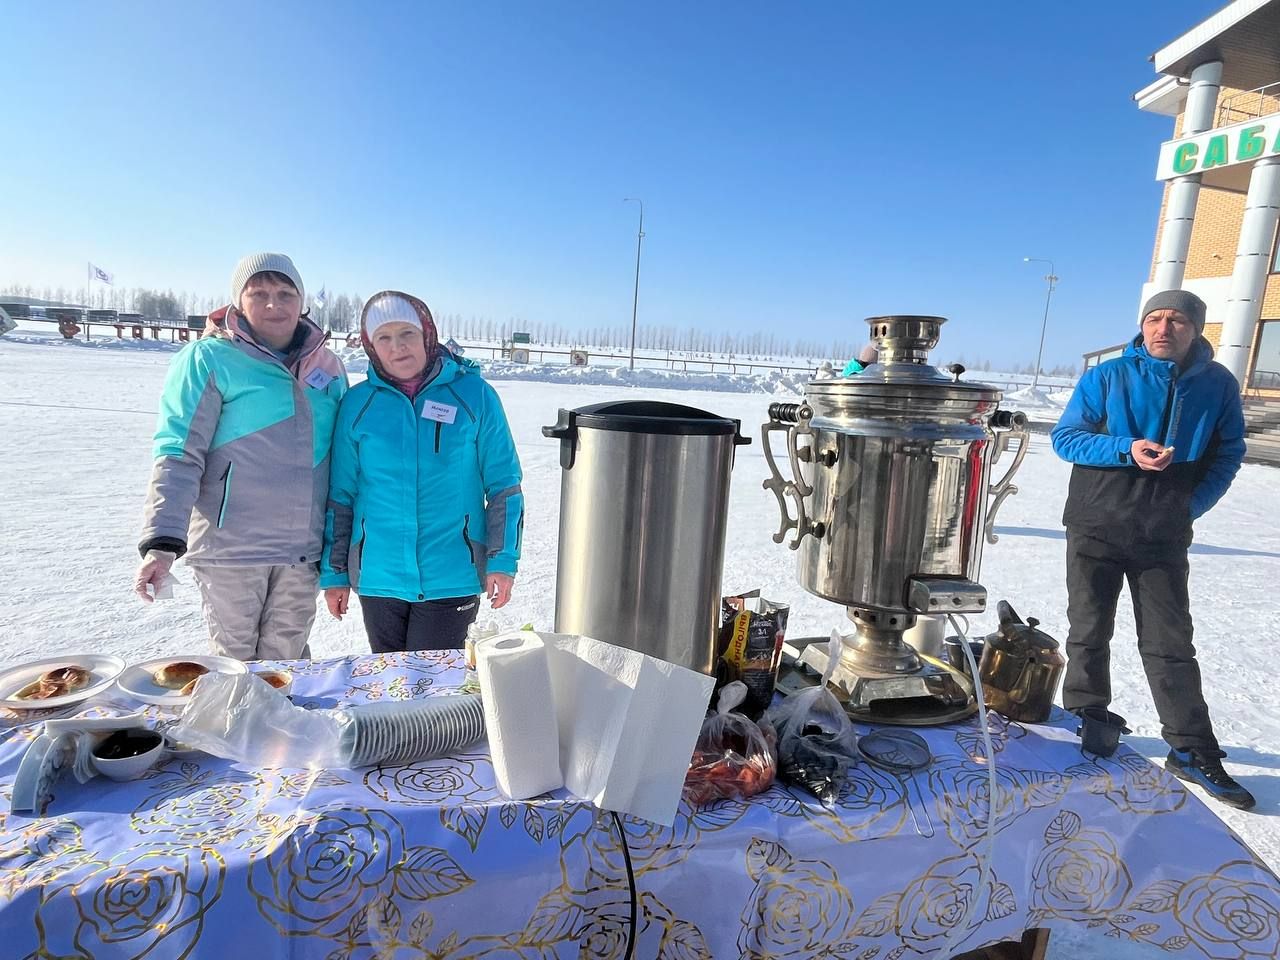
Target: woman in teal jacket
pixel 425 509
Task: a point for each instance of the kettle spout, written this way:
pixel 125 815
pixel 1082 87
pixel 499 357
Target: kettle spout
pixel 1007 614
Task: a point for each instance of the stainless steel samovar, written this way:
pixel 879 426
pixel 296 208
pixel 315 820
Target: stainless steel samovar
pixel 892 495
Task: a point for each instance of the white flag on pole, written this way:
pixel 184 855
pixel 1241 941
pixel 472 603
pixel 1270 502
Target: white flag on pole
pixel 100 274
pixel 320 298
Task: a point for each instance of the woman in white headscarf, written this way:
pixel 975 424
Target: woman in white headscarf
pixel 425 507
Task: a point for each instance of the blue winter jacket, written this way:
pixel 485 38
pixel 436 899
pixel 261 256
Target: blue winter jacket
pixel 1196 410
pixel 422 508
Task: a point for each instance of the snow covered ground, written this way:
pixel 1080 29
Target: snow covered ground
pixel 77 422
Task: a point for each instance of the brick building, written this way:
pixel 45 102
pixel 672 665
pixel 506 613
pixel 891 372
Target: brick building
pixel 1217 232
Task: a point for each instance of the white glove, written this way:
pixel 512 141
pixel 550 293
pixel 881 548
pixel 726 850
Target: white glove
pixel 154 572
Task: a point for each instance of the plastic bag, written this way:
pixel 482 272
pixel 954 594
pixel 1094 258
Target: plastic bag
pixel 816 740
pixel 239 717
pixel 735 757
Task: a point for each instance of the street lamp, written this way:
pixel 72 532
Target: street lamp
pixel 1051 279
pixel 635 297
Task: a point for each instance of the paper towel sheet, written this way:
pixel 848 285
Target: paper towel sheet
pixel 628 724
pixel 519 714
pixel 617 727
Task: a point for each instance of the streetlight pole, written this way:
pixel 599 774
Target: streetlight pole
pixel 635 297
pixel 1051 279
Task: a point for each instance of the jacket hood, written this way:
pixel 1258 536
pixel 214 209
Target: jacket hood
pixel 1198 357
pixel 450 368
pixel 229 323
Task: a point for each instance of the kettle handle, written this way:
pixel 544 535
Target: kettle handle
pixel 1014 425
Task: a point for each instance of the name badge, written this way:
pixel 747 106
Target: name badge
pixel 439 412
pixel 318 379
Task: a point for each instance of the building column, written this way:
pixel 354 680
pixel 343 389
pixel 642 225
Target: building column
pixel 1249 275
pixel 1180 211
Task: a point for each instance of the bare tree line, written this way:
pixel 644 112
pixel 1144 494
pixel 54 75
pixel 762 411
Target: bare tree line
pixel 340 313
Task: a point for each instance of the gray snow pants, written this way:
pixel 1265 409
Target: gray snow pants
pixel 259 612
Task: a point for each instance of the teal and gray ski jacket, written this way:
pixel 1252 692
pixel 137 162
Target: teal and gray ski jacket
pixel 241 474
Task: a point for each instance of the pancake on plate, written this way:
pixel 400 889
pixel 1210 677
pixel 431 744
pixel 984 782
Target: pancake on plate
pixel 56 683
pixel 175 676
pixel 71 676
pixel 41 689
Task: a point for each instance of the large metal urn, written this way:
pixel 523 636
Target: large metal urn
pixel 644 508
pixel 888 504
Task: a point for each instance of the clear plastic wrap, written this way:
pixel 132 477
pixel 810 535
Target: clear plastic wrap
pixel 735 757
pixel 816 741
pixel 239 717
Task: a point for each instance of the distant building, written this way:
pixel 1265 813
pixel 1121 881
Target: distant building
pixel 1217 235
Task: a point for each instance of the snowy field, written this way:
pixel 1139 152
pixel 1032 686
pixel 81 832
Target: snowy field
pixel 77 423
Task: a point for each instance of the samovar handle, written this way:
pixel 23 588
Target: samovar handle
pixel 791 419
pixel 1007 425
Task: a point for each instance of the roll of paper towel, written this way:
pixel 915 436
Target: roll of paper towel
pixel 519 714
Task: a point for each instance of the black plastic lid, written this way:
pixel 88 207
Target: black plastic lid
pixel 638 416
pixel 653 416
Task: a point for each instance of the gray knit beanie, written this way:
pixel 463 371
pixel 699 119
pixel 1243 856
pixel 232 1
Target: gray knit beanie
pixel 262 263
pixel 1184 301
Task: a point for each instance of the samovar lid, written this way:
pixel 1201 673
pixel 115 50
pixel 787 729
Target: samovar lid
pixel 903 343
pixel 905 339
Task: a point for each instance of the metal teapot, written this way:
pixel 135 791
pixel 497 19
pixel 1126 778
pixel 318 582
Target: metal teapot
pixel 1020 668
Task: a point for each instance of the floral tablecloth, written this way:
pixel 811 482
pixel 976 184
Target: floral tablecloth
pixel 208 859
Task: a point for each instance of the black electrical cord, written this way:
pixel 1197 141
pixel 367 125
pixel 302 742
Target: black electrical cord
pixel 631 881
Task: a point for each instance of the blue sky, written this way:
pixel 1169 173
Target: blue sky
pixel 801 166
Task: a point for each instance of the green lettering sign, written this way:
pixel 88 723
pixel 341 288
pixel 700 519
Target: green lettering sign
pixel 1252 143
pixel 1184 158
pixel 1215 152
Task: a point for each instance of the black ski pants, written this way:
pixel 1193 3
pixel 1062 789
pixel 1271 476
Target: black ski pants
pixel 1157 577
pixel 395 626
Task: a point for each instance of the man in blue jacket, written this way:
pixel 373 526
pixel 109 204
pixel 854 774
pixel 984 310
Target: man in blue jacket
pixel 1156 436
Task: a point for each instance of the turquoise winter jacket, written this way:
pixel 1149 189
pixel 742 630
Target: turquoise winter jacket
pixel 421 508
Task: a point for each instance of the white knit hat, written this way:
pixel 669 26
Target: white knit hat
pixel 389 308
pixel 261 263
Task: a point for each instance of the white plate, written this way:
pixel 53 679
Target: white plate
pixel 103 671
pixel 136 680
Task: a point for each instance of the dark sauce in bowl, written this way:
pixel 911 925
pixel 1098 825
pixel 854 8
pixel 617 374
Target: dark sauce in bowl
pixel 126 743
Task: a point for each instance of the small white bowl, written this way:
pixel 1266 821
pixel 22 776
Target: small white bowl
pixel 283 674
pixel 130 768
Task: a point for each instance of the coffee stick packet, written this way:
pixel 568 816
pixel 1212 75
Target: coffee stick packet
pixel 752 630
